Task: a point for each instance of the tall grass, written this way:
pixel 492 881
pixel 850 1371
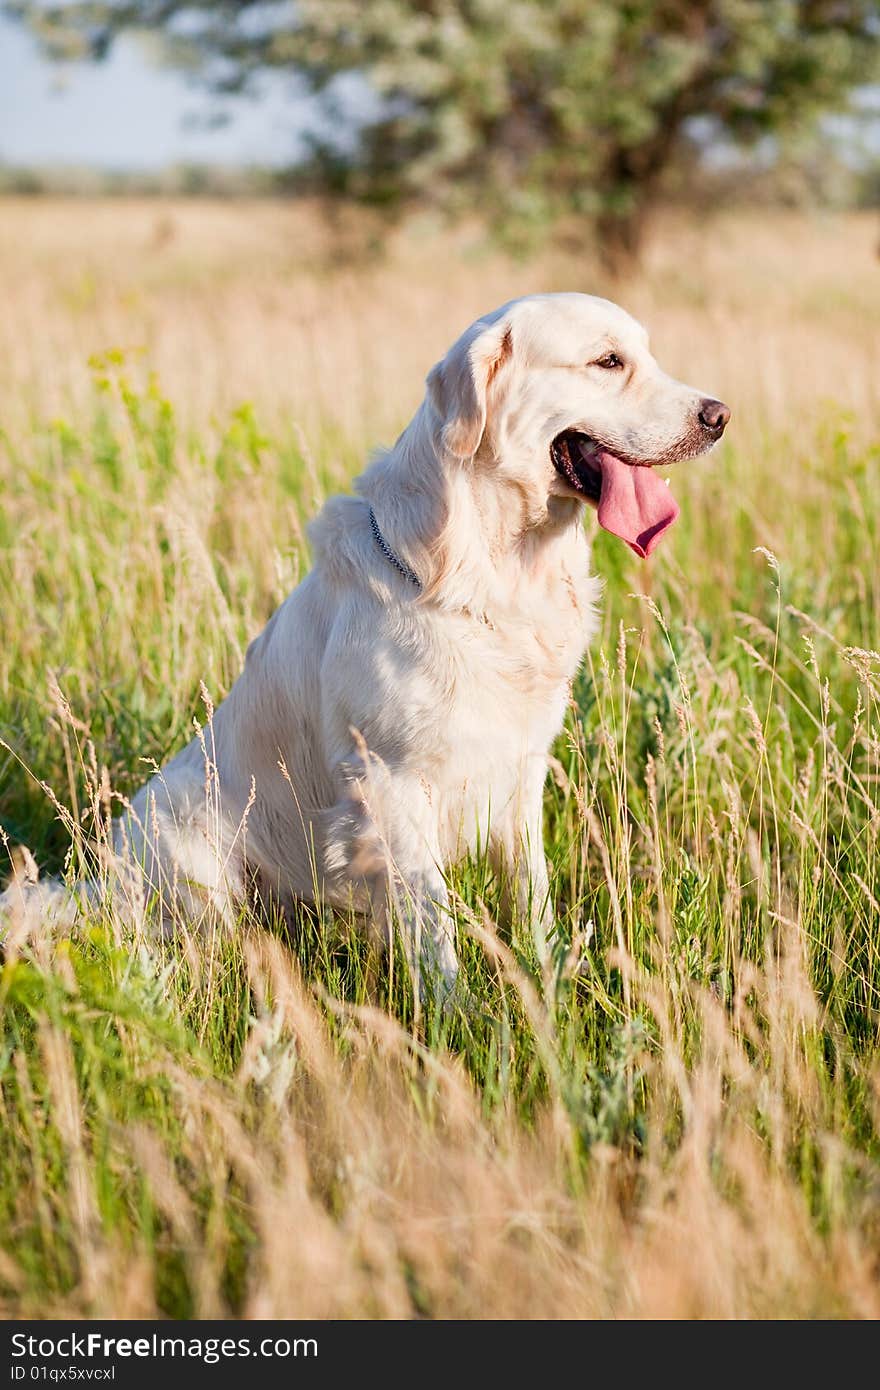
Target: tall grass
pixel 680 1116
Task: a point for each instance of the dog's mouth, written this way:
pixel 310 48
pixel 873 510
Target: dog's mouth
pixel 574 457
pixel 632 502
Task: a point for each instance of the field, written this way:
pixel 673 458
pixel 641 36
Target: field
pixel 682 1116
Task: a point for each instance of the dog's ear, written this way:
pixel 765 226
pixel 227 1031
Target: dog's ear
pixel 458 387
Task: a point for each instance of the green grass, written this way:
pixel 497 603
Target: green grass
pixel 267 1123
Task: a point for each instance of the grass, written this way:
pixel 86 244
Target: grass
pixel 681 1117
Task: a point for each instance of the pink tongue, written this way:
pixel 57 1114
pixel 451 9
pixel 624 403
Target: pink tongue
pixel 634 503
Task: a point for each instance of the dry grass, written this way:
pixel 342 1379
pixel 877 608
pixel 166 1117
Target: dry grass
pixel 681 1119
pixel 262 303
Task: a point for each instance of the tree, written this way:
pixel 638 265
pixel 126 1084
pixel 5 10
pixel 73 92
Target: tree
pixel 524 109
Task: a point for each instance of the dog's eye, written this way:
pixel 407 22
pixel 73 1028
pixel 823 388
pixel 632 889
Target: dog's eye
pixel 610 361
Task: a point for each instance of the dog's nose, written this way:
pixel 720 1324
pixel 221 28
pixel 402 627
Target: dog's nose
pixel 714 415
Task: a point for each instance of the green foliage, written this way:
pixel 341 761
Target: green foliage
pixel 523 109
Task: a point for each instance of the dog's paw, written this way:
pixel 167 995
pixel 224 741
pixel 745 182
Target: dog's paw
pixel 31 907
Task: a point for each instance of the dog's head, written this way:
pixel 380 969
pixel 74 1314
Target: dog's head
pixel 561 392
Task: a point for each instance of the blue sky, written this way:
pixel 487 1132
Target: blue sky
pixel 126 113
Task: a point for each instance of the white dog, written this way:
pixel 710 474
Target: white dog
pixel 399 707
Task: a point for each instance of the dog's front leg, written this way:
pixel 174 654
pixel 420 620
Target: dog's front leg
pixel 383 835
pixel 517 852
pixel 527 885
pixel 418 903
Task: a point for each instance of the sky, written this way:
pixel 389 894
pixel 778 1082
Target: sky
pixel 126 113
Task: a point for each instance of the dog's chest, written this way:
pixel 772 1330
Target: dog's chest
pixel 503 703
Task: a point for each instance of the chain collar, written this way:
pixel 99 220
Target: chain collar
pixel 390 555
pixel 411 575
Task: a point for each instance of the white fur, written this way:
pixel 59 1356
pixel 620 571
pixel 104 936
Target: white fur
pixel 376 733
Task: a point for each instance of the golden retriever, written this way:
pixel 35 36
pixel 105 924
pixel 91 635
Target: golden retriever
pixel 399 707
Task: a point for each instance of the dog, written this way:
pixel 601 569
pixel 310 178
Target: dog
pixel 399 707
